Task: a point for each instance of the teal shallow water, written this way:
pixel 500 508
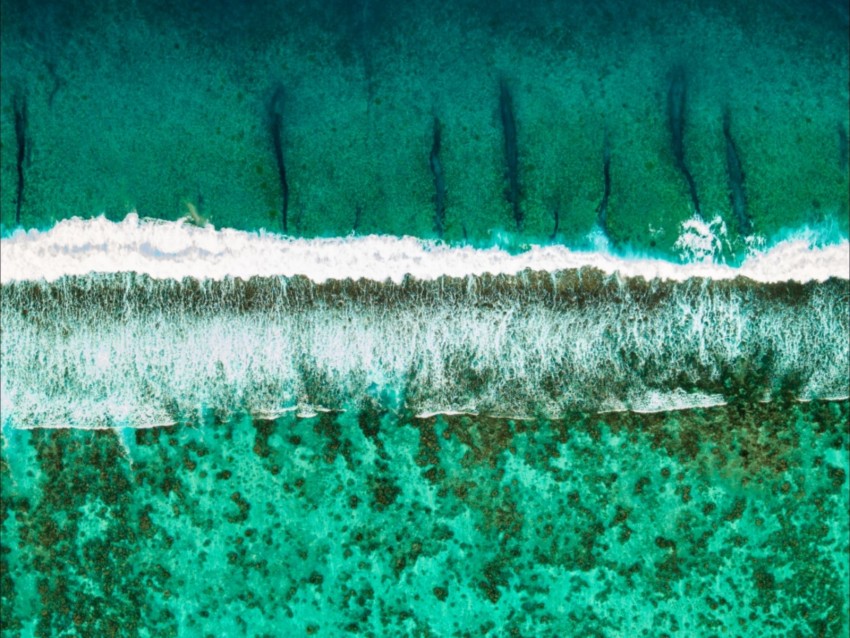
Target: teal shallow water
pixel 728 521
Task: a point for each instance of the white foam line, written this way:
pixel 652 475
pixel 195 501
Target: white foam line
pixel 174 250
pixel 65 426
pixel 709 403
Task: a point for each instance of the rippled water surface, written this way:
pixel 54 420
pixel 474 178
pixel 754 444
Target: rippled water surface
pixel 424 319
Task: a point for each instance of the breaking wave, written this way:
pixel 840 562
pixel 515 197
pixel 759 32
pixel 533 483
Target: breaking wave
pixel 174 250
pixel 152 323
pixel 129 350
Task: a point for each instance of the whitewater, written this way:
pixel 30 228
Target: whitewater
pixel 174 250
pixel 142 323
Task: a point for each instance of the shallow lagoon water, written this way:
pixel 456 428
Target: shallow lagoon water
pixel 706 522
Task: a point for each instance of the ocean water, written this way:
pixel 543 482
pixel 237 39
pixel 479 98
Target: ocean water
pixel 457 319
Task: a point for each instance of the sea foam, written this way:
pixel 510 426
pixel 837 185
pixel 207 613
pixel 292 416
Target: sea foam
pixel 144 323
pixel 129 350
pixel 174 250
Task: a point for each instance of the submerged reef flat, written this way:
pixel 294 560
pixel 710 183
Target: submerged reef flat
pixel 128 350
pixel 709 522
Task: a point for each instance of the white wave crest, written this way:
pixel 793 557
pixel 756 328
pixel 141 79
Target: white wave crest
pixel 700 241
pixel 174 250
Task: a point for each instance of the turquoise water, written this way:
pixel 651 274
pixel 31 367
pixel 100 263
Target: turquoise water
pixel 729 521
pixel 219 434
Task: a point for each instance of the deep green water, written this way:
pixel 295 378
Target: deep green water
pixel 151 105
pixel 723 522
